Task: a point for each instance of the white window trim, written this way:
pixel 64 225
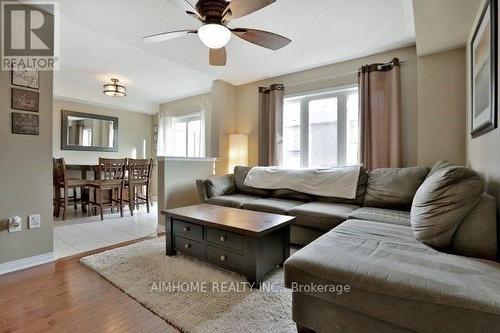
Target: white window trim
pixel 341 94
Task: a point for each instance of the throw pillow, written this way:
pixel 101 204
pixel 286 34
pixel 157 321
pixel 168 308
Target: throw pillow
pixel 442 202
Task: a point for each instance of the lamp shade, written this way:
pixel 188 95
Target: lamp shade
pixel 238 151
pixel 214 35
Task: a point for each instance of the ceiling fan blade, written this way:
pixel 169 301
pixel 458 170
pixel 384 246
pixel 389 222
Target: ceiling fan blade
pixel 262 38
pixel 163 36
pixel 218 57
pixel 239 8
pixel 188 8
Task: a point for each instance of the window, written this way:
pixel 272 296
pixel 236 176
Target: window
pixel 87 137
pixel 187 138
pixel 321 130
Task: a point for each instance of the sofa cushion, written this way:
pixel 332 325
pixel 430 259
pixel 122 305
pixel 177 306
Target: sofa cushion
pixel 232 200
pixel 360 191
pixel 385 264
pixel 291 194
pixel 302 236
pixel 271 205
pixel 381 215
pixel 322 215
pixel 442 202
pixel 476 236
pixel 439 165
pixel 240 173
pixel 393 188
pixel 220 185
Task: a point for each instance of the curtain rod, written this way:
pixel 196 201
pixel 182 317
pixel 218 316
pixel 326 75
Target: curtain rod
pixel 336 75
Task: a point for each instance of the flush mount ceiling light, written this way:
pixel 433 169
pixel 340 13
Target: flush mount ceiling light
pixel 114 89
pixel 214 35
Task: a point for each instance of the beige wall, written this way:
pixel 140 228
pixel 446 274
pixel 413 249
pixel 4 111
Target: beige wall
pixel 483 152
pixel 177 182
pixel 133 128
pixel 441 106
pixel 26 175
pixel 247 96
pixel 224 106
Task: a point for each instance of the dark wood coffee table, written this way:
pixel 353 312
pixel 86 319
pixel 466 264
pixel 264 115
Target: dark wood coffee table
pixel 248 242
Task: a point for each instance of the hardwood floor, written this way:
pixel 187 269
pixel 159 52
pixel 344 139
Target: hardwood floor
pixel 66 296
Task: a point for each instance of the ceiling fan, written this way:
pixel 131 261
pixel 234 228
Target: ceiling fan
pixel 215 34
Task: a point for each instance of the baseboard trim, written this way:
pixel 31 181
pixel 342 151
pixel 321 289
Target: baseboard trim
pixel 16 265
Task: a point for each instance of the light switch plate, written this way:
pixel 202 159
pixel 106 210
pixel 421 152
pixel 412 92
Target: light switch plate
pixel 15 224
pixel 34 221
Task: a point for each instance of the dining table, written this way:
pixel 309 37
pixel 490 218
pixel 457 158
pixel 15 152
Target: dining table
pixel 84 169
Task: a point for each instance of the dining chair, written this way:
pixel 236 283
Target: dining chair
pixel 62 183
pixel 110 176
pixel 139 177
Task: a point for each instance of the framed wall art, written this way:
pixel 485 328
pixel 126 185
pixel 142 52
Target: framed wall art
pixel 24 100
pixel 484 74
pixel 24 123
pixel 28 78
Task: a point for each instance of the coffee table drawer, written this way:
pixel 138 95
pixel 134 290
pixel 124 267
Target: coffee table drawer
pixel 188 230
pixel 189 246
pixel 225 258
pixel 226 239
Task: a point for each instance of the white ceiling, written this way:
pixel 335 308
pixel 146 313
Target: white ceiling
pixel 444 24
pixel 101 39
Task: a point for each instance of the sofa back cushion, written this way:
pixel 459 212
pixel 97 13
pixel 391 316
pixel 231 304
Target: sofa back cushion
pixel 393 188
pixel 439 165
pixel 360 191
pixel 240 173
pixel 220 185
pixel 442 202
pixel 476 236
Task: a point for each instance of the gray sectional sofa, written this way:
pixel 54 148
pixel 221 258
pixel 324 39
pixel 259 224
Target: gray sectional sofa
pixel 410 249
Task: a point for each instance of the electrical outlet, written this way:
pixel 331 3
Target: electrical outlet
pixel 34 221
pixel 15 224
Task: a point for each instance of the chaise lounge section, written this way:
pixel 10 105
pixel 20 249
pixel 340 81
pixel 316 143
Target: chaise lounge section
pixel 427 274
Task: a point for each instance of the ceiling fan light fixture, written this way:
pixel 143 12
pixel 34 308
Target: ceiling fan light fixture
pixel 214 35
pixel 114 89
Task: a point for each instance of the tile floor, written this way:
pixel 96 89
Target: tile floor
pixel 80 233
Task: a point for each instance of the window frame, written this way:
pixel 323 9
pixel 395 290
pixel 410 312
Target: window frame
pixel 341 93
pixel 186 119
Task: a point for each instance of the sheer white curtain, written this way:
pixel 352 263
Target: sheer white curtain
pixel 203 125
pixel 165 134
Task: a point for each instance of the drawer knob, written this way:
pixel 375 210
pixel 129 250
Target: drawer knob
pixel 185 229
pixel 223 258
pixel 222 238
pixel 187 246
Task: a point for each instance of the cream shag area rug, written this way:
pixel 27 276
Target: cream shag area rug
pixel 192 295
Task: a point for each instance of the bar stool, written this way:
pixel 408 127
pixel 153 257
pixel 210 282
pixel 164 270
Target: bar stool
pixel 110 177
pixel 62 182
pixel 139 176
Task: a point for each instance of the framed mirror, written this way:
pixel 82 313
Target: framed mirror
pixel 88 132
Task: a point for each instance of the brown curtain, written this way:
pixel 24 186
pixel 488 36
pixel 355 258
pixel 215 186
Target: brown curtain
pixel 380 115
pixel 271 125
